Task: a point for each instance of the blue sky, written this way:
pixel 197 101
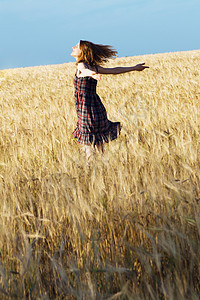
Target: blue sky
pixel 42 32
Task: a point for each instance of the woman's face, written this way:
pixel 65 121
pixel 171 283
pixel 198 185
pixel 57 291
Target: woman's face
pixel 76 51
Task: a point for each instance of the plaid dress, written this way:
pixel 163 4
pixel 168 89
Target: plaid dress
pixel 93 126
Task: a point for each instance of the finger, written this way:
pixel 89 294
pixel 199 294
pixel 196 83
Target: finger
pixel 144 66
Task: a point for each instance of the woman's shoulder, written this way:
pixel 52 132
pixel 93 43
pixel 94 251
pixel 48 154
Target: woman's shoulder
pixel 83 65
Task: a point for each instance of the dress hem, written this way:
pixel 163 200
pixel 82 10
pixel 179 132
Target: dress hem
pixel 89 138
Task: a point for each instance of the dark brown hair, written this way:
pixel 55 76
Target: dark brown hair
pixel 94 54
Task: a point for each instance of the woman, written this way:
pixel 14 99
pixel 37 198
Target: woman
pixel 93 127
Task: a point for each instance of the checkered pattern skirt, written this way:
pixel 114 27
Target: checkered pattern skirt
pixel 93 126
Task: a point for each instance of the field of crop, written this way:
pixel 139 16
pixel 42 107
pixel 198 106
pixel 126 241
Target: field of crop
pixel 128 225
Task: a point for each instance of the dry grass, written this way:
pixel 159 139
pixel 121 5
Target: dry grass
pixel 128 226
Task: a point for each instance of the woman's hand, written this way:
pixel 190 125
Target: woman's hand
pixel 140 67
pixel 96 76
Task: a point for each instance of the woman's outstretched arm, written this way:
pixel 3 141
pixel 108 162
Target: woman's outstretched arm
pixel 84 71
pixel 120 70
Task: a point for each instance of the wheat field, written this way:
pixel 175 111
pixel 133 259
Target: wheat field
pixel 128 225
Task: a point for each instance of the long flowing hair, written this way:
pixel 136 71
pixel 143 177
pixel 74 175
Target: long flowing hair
pixel 95 54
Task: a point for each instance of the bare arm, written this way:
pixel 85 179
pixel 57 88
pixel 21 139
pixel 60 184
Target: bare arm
pixel 120 70
pixel 84 71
